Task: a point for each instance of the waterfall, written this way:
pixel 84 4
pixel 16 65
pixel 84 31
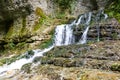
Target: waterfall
pixel 60 35
pixel 64 35
pixel 84 36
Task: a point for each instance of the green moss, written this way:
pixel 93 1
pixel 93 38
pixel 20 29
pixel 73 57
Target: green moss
pixel 21 44
pixel 16 57
pixel 39 24
pixel 114 35
pixel 40 12
pixel 115 67
pixel 10 32
pixel 2 61
pixel 42 18
pixel 10 45
pixel 60 15
pixel 48 42
pixel 45 44
pixel 9 60
pixel 17 29
pixel 23 30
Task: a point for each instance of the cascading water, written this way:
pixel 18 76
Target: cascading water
pixel 97 20
pixel 63 36
pixel 84 36
pixel 19 63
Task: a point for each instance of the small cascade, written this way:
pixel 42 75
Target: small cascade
pixel 64 35
pixel 19 63
pixel 98 17
pixel 84 36
pixel 59 35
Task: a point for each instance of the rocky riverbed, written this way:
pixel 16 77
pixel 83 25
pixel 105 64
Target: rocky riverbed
pixel 93 61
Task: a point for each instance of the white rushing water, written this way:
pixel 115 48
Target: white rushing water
pixel 64 35
pixel 19 63
pixel 84 36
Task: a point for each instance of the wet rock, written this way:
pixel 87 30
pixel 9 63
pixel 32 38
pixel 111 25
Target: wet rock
pixel 68 51
pixel 103 30
pixel 18 8
pixel 29 54
pixel 37 59
pixel 26 68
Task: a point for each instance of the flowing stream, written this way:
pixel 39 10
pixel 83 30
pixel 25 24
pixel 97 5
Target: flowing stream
pixel 63 36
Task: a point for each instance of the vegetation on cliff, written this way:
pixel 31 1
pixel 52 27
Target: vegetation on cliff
pixel 64 4
pixel 113 9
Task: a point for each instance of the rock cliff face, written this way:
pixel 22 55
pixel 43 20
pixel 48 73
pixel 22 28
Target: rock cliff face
pixel 30 20
pixel 12 9
pixel 104 30
pixel 20 19
pixel 28 24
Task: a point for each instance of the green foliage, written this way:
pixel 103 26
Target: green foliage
pixel 11 45
pixel 46 43
pixel 39 24
pixel 113 9
pixel 114 35
pixel 40 12
pixel 64 4
pixel 29 54
pixel 60 15
pixel 9 60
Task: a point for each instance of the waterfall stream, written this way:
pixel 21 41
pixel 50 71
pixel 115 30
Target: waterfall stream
pixel 63 36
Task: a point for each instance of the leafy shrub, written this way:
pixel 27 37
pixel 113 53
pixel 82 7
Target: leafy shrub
pixel 113 9
pixel 64 4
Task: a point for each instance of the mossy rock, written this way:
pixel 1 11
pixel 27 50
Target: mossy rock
pixel 63 62
pixel 46 60
pixel 64 4
pixel 10 32
pixel 29 54
pixel 40 12
pixel 9 60
pixel 37 59
pixel 68 51
pixel 115 67
pixel 41 20
pixel 26 67
pixel 2 61
pixel 45 44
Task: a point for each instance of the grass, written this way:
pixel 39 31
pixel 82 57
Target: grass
pixel 46 44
